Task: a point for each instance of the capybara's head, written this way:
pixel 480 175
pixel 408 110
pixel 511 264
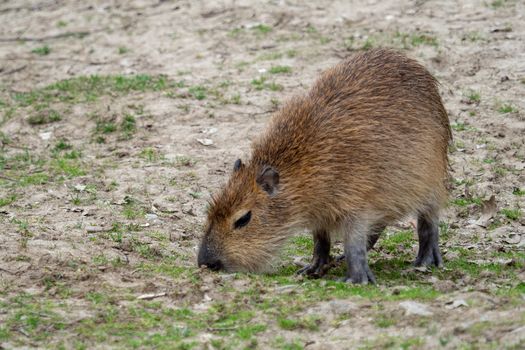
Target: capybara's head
pixel 244 225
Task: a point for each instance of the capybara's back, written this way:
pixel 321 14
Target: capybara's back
pixel 365 147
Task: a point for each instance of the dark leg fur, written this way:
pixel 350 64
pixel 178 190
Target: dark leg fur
pixel 357 267
pixel 371 241
pixel 321 261
pixel 428 233
pixel 356 242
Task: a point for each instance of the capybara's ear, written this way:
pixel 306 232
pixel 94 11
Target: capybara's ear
pixel 237 165
pixel 268 180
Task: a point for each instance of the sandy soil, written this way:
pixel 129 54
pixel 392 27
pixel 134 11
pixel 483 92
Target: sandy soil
pixel 122 218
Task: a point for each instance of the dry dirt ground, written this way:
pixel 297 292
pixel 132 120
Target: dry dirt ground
pixel 119 118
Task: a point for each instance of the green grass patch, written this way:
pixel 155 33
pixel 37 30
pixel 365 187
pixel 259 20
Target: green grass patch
pixel 496 4
pixel 236 32
pixel 261 29
pixel 512 214
pixel 280 69
pixel 518 191
pixel 473 96
pixel 198 92
pixel 262 84
pixel 62 145
pixel 397 241
pixel 368 44
pixel 30 315
pixel 270 56
pixel 288 324
pixel 463 202
pixel 44 117
pixel 64 150
pixel 383 321
pixel 34 179
pixel 507 108
pixel 89 88
pixel 7 200
pixel 105 127
pixel 393 342
pixel 423 39
pixel 68 167
pixel 128 126
pixel 246 332
pixel 42 50
pixel 460 126
pixel 151 154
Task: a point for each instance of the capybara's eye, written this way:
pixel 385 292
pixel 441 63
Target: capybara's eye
pixel 244 220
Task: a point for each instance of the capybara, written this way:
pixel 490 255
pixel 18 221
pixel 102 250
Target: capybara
pixel 364 148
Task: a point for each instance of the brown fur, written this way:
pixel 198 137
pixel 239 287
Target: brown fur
pixel 368 141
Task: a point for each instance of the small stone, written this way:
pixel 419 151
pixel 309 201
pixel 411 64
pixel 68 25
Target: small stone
pixel 126 245
pixel 415 308
pixel 340 307
pixel 205 142
pixel 444 286
pixel 45 135
pixel 80 188
pixel 454 304
pixel 188 209
pixel 287 289
pixel 151 217
pixel 165 206
pixel 210 131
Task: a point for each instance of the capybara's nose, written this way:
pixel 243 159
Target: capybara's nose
pixel 212 264
pixel 207 258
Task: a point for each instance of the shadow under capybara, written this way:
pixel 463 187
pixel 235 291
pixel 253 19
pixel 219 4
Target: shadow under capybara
pixel 365 147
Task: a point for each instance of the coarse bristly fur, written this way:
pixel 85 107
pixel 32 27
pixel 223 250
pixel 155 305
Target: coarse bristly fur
pixel 368 141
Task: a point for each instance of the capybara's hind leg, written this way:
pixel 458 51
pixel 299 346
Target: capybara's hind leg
pixel 371 240
pixel 356 241
pixel 428 233
pixel 321 261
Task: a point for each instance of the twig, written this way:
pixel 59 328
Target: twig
pixel 222 329
pixel 255 113
pixel 9 272
pixel 50 37
pixel 38 7
pixel 23 331
pixel 151 296
pixel 79 34
pixel 54 59
pixel 7 178
pixel 15 70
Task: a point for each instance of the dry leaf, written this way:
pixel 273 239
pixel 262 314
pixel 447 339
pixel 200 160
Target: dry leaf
pixel 467 193
pixel 151 296
pixel 488 210
pixel 205 142
pixel 210 131
pixel 96 229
